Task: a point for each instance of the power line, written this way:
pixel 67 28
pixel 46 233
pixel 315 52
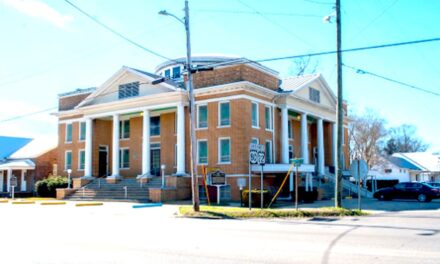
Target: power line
pixel 254 13
pixel 360 71
pixel 274 23
pixel 28 114
pixel 116 32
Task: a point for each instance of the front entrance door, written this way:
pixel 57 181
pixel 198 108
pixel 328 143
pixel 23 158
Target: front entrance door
pixel 155 159
pixel 103 161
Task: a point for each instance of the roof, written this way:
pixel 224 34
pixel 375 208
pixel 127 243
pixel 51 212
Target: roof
pixel 18 164
pixel 297 82
pixel 77 92
pixel 36 148
pixel 216 61
pixel 155 76
pixel 403 163
pixel 426 161
pixel 9 145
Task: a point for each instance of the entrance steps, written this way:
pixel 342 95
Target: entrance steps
pixel 348 187
pixel 99 189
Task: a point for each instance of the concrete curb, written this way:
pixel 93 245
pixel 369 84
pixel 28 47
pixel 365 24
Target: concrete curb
pixel 4 201
pixel 89 204
pixel 53 203
pixel 23 202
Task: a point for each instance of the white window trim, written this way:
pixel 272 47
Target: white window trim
pixel 219 114
pixel 198 111
pixel 207 147
pixel 79 131
pixel 79 159
pixel 219 151
pixel 270 118
pixel 65 132
pixel 258 116
pixel 121 157
pixel 121 129
pixel 271 148
pixel 65 159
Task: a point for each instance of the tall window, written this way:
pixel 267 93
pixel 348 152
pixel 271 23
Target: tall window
pixel 290 129
pixel 81 159
pixel 128 90
pixel 314 95
pixel 167 73
pixel 68 160
pixel 155 126
pixel 68 133
pixel 268 117
pixel 225 114
pixel 224 145
pixel 291 153
pixel 202 152
pixel 254 114
pixel 176 72
pixel 124 158
pixel 124 129
pixel 202 116
pixel 268 151
pixel 82 131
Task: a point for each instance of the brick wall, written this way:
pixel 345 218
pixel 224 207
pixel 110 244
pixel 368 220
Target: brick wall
pixel 69 102
pixel 232 74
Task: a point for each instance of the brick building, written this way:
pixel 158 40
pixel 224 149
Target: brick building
pixel 128 127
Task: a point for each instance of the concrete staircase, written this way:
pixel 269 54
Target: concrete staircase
pixel 347 187
pixel 99 189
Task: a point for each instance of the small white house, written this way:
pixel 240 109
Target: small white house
pixel 416 166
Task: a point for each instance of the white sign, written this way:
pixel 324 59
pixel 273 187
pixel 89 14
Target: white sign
pixel 257 154
pixel 362 171
pixel 13 181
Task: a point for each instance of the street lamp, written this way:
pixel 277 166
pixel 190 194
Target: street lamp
pixel 189 88
pixel 69 171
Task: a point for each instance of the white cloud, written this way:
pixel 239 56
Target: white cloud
pixel 40 10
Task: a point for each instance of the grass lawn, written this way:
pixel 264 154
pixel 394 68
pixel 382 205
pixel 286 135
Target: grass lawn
pixel 223 212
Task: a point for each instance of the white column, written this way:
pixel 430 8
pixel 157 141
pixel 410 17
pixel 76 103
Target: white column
pixel 284 135
pixel 23 181
pixel 320 126
pixel 334 145
pixel 115 148
pixel 304 139
pixel 88 149
pixel 146 144
pixel 9 179
pixel 291 186
pixel 180 140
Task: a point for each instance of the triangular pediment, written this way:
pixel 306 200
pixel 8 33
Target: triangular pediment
pixel 318 83
pixel 109 91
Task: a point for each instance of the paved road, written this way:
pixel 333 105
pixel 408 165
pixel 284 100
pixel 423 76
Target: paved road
pixel 116 233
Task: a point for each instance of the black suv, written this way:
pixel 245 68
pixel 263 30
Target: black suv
pixel 409 190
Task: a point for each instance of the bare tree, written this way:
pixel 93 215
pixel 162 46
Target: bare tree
pixel 404 139
pixel 304 65
pixel 366 134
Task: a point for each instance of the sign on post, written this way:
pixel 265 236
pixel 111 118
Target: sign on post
pixel 257 155
pixel 13 181
pixel 218 178
pixel 359 170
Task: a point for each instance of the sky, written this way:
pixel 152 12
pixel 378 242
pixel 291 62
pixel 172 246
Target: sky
pixel 47 47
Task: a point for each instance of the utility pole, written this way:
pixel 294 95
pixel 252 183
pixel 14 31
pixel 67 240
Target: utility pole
pixel 192 107
pixel 339 111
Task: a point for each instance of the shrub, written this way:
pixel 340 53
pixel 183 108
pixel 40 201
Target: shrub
pixel 48 187
pixel 256 201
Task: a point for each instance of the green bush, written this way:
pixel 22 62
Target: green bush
pixel 256 201
pixel 48 187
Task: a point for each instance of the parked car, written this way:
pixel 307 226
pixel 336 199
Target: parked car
pixel 409 190
pixel 434 184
